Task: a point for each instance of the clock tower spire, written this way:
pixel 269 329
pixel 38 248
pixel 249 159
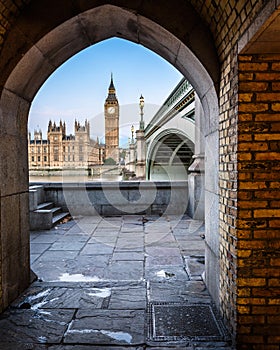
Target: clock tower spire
pixel 111 113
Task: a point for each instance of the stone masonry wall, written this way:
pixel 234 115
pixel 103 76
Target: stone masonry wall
pixel 258 270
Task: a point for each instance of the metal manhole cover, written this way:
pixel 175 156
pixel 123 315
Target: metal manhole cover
pixel 184 321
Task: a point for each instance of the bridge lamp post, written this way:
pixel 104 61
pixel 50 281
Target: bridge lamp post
pixel 141 105
pixel 132 134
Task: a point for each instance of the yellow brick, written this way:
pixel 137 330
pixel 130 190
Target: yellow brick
pixel 245 97
pixel 253 107
pixel 274 96
pixel 251 282
pixel 250 66
pixel 262 213
pixel 253 86
pixel 276 107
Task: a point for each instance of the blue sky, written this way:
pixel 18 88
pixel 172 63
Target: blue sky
pixel 79 87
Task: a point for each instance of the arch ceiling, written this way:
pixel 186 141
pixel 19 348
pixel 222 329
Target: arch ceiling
pixel 40 39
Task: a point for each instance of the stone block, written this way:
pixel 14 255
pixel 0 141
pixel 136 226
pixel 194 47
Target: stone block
pixel 33 200
pixel 108 21
pixel 212 236
pixel 212 274
pixel 40 219
pixel 212 162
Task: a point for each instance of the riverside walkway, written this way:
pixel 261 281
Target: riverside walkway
pixel 129 282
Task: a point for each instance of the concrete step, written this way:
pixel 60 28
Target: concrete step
pixel 45 205
pixel 57 218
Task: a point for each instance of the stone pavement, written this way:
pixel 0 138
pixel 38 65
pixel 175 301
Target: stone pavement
pixel 128 282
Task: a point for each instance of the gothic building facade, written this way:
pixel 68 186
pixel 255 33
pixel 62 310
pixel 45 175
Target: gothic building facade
pixel 62 151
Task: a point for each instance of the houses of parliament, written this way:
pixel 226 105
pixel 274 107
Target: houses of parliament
pixel 78 151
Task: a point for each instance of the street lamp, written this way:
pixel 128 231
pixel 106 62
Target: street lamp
pixel 132 134
pixel 141 105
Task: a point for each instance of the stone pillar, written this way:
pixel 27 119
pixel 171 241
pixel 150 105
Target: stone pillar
pixel 14 198
pixel 141 154
pixel 196 170
pixel 132 158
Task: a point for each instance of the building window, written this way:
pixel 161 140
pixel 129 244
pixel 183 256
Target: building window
pixel 55 158
pixel 45 158
pixel 39 150
pixel 39 158
pixel 45 149
pixel 81 149
pixel 69 158
pixel 32 159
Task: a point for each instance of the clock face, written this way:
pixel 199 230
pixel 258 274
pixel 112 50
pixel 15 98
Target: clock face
pixel 111 110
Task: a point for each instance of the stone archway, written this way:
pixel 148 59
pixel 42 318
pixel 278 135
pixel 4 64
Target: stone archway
pixel 45 49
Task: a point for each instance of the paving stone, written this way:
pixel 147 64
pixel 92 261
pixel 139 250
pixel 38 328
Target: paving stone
pixel 97 249
pixel 39 248
pixel 163 260
pixel 92 347
pixel 46 238
pixel 57 255
pixel 119 327
pixel 33 258
pixel 90 219
pixel 128 298
pixel 195 266
pixel 108 240
pixel 74 238
pixel 75 298
pixel 22 346
pixel 72 246
pixel 174 291
pixel 166 272
pixel 122 270
pixel 128 256
pixel 35 326
pixel 136 244
pixel 165 251
pixel 49 270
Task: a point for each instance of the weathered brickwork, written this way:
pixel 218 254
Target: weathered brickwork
pixel 258 269
pixel 227 20
pixel 228 188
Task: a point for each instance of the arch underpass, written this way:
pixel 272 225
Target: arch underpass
pixel 170 156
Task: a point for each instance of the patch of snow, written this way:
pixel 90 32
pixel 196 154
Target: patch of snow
pixel 42 339
pixel 100 293
pixel 78 277
pixel 39 295
pixel 118 335
pixel 114 335
pixel 38 305
pixel 161 273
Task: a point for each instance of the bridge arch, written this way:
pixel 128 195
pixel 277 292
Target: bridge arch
pixel 42 47
pixel 169 155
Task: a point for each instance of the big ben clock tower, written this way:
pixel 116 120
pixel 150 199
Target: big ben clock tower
pixel 111 112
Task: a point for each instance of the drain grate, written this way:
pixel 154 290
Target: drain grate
pixel 174 321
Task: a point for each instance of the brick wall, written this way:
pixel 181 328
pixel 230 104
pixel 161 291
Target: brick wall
pixel 258 269
pixel 9 9
pixel 228 189
pixel 227 20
